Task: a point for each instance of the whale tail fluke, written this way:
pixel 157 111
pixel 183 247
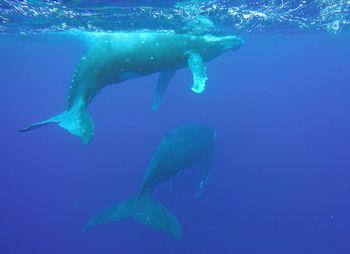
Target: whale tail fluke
pixel 144 210
pixel 77 121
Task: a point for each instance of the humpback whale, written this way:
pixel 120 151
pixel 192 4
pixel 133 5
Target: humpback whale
pixel 117 57
pixel 178 150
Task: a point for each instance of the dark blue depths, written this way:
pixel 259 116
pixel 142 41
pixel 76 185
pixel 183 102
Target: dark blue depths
pixel 279 181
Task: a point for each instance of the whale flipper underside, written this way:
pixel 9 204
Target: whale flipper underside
pixel 198 69
pixel 76 120
pixel 163 81
pixel 144 210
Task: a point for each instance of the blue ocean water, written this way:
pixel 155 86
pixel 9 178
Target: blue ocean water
pixel 279 181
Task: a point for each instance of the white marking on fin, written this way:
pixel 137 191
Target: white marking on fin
pixel 195 62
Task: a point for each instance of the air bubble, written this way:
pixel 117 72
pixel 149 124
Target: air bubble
pixel 335 25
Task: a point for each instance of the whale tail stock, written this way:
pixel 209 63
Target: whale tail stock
pixel 144 210
pixel 76 120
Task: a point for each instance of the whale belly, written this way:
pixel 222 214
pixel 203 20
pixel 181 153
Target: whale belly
pixel 130 75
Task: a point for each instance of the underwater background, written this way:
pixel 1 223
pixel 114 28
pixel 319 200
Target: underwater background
pixel 280 174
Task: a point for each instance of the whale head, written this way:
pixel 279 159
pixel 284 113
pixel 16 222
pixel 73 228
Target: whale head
pixel 230 42
pixel 225 43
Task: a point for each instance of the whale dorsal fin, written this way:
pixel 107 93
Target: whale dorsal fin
pixel 198 69
pixel 163 81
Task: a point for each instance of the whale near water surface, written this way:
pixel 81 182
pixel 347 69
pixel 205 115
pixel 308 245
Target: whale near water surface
pixel 117 57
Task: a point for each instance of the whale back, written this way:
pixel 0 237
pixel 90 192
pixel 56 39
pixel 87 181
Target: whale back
pixel 178 150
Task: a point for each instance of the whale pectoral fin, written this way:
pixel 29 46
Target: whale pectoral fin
pixel 206 165
pixel 170 185
pixel 198 69
pixel 163 81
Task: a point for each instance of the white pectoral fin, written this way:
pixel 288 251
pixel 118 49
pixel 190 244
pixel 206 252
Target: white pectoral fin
pixel 198 69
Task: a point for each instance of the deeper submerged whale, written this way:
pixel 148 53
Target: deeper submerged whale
pixel 121 56
pixel 179 149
